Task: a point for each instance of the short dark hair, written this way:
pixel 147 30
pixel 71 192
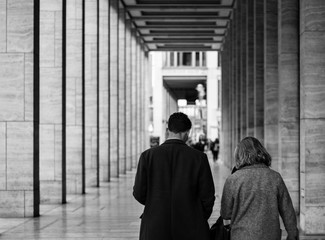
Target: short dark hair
pixel 179 122
pixel 249 152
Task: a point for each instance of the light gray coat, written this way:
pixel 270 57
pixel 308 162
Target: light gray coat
pixel 253 198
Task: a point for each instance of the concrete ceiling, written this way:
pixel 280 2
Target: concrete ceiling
pixel 180 25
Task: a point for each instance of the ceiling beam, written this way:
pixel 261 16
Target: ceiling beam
pixel 181 35
pixel 183 41
pixel 171 18
pixel 181 27
pixel 187 49
pixel 178 7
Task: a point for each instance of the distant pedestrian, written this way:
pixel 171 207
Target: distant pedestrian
pixel 200 145
pixel 174 183
pixel 214 147
pixel 254 197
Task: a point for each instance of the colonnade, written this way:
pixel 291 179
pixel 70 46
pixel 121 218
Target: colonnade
pixel 273 88
pixel 73 100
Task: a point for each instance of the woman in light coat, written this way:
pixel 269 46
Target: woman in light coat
pixel 255 196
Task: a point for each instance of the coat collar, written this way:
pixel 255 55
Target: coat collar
pixel 258 165
pixel 174 141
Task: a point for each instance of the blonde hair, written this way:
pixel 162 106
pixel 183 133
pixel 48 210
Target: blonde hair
pixel 249 152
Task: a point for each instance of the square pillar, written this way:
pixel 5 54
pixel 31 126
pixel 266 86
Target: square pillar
pixel 259 70
pixel 51 101
pixel 122 88
pixel 312 117
pixel 128 86
pixel 113 89
pixel 288 26
pixel 74 95
pixel 103 91
pixel 19 108
pixel 271 83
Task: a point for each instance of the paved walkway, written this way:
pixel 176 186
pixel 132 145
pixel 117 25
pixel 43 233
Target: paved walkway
pixel 109 212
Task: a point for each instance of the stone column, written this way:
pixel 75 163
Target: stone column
pixel 259 70
pixel 103 90
pixel 19 109
pixel 138 98
pixel 271 83
pixel 312 117
pixel 113 89
pixel 51 101
pixel 133 102
pixel 91 92
pixel 128 98
pixel 243 67
pixel 233 88
pixel 289 96
pixel 225 143
pixel 237 19
pixel 122 87
pixel 74 97
pixel 250 67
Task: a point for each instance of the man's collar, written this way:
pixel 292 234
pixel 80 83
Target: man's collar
pixel 174 140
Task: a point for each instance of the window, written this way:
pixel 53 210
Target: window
pixel 172 60
pixel 204 61
pixel 187 59
pixel 197 59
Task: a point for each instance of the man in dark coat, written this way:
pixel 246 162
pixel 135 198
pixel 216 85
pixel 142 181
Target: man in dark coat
pixel 174 183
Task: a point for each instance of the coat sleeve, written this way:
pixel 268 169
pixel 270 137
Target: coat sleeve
pixel 140 183
pixel 287 211
pixel 206 187
pixel 227 200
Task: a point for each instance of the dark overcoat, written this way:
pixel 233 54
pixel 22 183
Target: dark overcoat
pixel 174 183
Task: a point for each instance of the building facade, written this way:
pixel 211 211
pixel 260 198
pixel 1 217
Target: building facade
pixel 176 76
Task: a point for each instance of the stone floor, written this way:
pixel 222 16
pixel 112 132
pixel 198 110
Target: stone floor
pixel 109 212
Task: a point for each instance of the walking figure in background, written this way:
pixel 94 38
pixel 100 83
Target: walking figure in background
pixel 200 145
pixel 255 196
pixel 214 147
pixel 174 183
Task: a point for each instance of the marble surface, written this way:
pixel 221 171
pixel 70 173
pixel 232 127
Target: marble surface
pixel 104 91
pixel 113 86
pixel 122 91
pixel 312 75
pixel 250 68
pixel 3 25
pixel 47 152
pixel 74 53
pixel 91 91
pixel 259 70
pixel 71 101
pixel 74 158
pixel 3 156
pixel 312 16
pixel 12 204
pixel 51 95
pixel 29 86
pixel 20 25
pixel 51 192
pixel 271 83
pixel 128 98
pixel 312 153
pixel 19 153
pixel 47 39
pixel 12 90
